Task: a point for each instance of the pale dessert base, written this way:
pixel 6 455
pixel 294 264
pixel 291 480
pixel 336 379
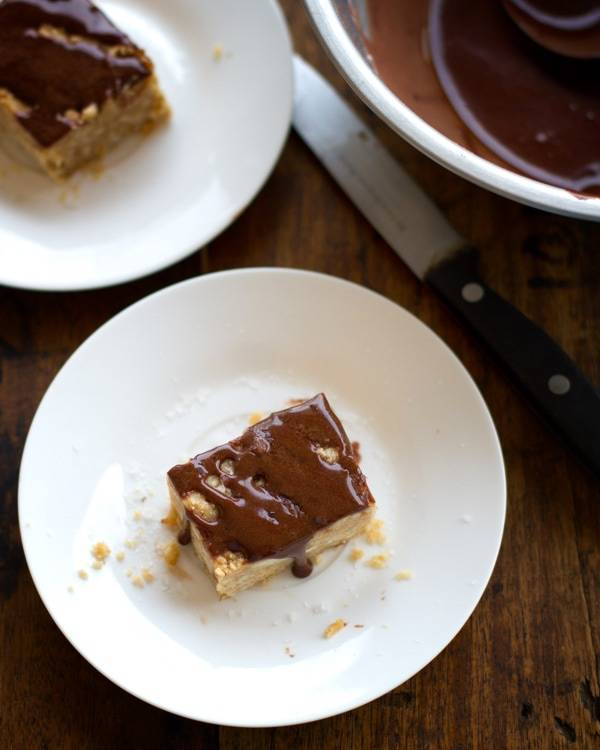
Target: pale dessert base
pixel 231 572
pixel 96 131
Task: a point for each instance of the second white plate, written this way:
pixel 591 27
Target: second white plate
pixel 182 371
pixel 226 70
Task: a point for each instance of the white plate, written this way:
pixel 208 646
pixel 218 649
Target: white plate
pixel 182 370
pixel 163 196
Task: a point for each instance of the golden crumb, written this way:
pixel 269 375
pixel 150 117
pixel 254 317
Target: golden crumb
pixel 138 581
pixel 403 575
pixel 334 628
pixel 120 556
pixel 255 417
pixel 171 553
pixel 70 589
pixel 137 516
pixel 98 564
pixel 374 532
pixel 217 52
pixel 130 544
pixel 100 551
pixel 129 572
pixel 171 518
pixel 356 554
pixel 82 574
pixel 147 575
pixel 295 401
pixel 378 561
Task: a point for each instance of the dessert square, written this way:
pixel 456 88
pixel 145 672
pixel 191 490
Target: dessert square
pixel 277 496
pixel 72 85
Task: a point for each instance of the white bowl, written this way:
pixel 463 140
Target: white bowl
pixel 331 18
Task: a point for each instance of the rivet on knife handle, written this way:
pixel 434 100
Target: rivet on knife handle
pixel 550 378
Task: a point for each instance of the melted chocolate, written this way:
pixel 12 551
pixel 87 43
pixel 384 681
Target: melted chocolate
pixel 51 75
pixel 530 109
pixel 185 535
pixel 567 15
pixel 276 491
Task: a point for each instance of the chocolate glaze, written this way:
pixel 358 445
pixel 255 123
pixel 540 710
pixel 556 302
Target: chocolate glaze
pixel 281 490
pixel 531 110
pixel 50 75
pixel 185 535
pixel 570 28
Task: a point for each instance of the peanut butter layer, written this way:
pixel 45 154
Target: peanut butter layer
pixel 58 58
pixel 274 487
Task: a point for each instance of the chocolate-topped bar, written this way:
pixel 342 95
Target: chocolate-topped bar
pixel 280 494
pixel 72 84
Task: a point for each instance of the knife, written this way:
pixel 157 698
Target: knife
pixel 419 233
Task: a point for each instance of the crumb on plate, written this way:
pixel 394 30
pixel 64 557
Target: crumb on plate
pixel 120 556
pixel 138 581
pixel 356 554
pixel 334 628
pixel 82 574
pixel 100 551
pixel 255 417
pixel 171 518
pixel 374 532
pixel 404 575
pixel 378 561
pixel 147 575
pixel 171 553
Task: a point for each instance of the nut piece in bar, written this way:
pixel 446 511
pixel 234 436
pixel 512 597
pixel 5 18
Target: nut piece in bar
pixel 277 496
pixel 72 85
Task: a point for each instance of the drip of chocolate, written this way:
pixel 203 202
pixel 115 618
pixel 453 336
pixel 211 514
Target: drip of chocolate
pixel 275 486
pixel 54 57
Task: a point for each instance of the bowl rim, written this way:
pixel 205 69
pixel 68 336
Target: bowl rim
pixel 398 116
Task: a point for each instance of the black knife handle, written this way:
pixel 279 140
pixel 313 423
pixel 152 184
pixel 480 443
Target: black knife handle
pixel 550 378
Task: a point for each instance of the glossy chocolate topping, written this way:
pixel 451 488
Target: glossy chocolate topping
pixel 278 484
pixel 530 109
pixel 52 73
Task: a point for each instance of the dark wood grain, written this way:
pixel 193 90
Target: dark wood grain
pixel 524 671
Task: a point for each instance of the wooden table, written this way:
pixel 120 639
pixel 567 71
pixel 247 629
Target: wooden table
pixel 524 671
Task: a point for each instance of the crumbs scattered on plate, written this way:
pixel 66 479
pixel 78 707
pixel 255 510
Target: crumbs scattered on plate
pixel 334 628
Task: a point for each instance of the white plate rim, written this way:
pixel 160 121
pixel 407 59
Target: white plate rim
pixel 391 684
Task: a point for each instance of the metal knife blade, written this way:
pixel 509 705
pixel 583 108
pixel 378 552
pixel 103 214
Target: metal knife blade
pixel 419 233
pixel 369 175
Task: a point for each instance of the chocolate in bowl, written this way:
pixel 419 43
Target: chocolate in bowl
pixel 397 79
